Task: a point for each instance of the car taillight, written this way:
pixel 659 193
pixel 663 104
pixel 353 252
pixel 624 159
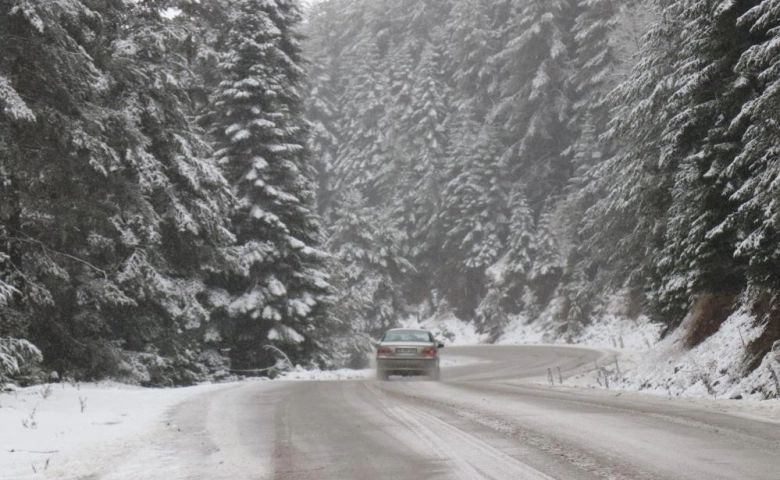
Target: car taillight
pixel 384 351
pixel 428 351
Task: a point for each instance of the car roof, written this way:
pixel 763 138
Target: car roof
pixel 408 329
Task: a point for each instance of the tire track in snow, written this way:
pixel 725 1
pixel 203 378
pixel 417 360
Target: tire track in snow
pixel 327 430
pixel 470 457
pixel 600 439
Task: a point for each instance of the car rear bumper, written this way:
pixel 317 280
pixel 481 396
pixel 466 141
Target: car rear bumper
pixel 406 364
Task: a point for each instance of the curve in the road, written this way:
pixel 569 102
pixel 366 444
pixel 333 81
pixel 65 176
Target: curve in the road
pixel 489 419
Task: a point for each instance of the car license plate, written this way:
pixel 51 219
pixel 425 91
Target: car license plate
pixel 405 350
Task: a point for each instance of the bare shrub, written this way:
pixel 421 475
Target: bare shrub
pixel 45 466
pixel 705 376
pixel 45 391
pixel 30 421
pixel 603 372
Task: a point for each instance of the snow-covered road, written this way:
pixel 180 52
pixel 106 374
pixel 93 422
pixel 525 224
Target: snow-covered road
pixel 492 419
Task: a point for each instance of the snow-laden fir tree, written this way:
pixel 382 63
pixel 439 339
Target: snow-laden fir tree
pixel 474 212
pixel 15 353
pixel 367 247
pixel 593 75
pixel 29 37
pixel 701 140
pixel 323 108
pixel 424 154
pixel 149 73
pixel 118 210
pixel 550 260
pixel 473 39
pixel 398 93
pixel 757 194
pixel 364 161
pixel 508 277
pixel 521 242
pixel 279 286
pixel 593 62
pixel 533 108
pixel 623 226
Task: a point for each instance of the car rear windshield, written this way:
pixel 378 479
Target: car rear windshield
pixel 407 336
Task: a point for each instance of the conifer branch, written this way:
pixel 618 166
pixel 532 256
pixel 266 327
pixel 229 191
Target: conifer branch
pixel 48 250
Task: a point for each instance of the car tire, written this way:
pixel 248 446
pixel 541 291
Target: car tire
pixel 435 374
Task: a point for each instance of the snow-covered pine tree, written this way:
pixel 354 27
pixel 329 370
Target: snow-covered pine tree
pixel 367 247
pixel 371 80
pixel 401 154
pixel 623 227
pixel 509 276
pixel 413 23
pixel 592 75
pixel 185 188
pixel 633 19
pixel 521 241
pixel 323 108
pixel 399 92
pixel 118 209
pixel 593 62
pixel 549 263
pixel 758 164
pixel 425 151
pixel 700 141
pixel 534 108
pixel 14 113
pixel 205 24
pixel 32 42
pixel 364 161
pixel 473 215
pixel 15 353
pixel 473 38
pixel 279 289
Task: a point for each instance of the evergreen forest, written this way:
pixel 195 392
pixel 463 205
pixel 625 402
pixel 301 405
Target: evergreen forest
pixel 197 189
pixel 158 218
pixel 536 160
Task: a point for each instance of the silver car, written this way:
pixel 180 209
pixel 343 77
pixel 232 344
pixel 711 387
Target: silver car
pixel 406 351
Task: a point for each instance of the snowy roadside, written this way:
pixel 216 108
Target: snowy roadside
pixel 50 431
pixel 68 430
pixel 448 328
pixel 636 359
pixel 637 362
pixel 65 430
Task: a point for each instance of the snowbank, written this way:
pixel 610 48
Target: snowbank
pixel 70 430
pixel 610 331
pixel 643 362
pixel 300 374
pixel 58 430
pixel 61 430
pixel 715 368
pixel 520 332
pixel 448 328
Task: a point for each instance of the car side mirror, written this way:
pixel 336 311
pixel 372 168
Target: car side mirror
pixel 439 345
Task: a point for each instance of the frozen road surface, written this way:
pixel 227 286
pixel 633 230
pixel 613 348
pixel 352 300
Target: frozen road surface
pixel 479 422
